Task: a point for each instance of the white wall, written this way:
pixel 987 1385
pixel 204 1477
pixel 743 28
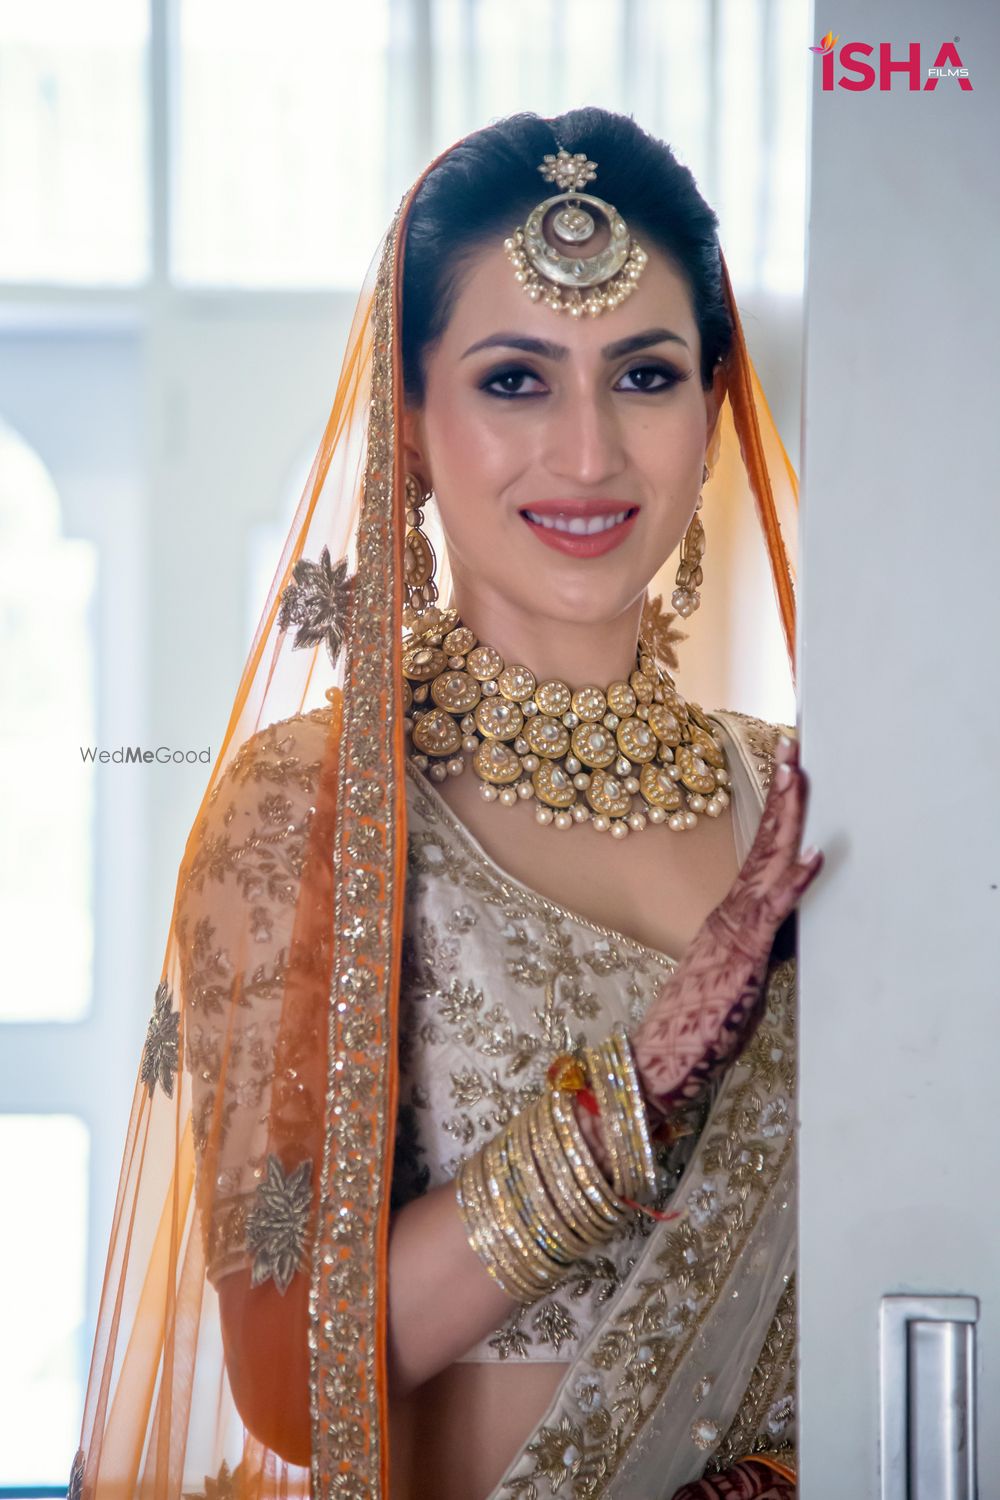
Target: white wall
pixel 900 616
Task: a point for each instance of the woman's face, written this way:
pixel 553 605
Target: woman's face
pixel 531 413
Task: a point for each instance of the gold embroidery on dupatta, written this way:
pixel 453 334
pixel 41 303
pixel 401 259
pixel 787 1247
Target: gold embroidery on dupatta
pixel 251 845
pixel 747 1144
pixel 344 1308
pixel 646 1336
pixel 317 601
pixel 159 1053
pixel 765 1422
pixel 278 1223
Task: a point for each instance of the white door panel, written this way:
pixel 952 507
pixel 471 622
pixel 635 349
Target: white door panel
pixel 900 705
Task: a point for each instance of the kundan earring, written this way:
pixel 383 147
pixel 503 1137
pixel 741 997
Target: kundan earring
pixel 685 597
pixel 420 610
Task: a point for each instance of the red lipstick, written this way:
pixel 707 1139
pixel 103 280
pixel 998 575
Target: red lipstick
pixel 580 543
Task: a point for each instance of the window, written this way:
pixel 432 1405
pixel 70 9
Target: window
pixel 47 586
pixel 74 141
pixel 42 1275
pixel 281 135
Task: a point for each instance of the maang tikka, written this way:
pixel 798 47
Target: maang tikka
pixel 685 597
pixel 574 251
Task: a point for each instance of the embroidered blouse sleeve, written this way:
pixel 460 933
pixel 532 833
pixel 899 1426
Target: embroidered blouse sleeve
pixel 235 916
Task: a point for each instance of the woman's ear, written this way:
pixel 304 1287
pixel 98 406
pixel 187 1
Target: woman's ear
pixel 713 404
pixel 414 456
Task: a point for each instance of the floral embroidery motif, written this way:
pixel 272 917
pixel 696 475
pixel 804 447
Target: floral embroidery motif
pixel 588 1393
pixel 558 1453
pixel 657 629
pixel 317 602
pixel 511 1339
pixel 765 1422
pixel 160 1050
pixel 74 1490
pixel 705 1433
pixel 277 1225
pixel 553 1324
pixel 227 1485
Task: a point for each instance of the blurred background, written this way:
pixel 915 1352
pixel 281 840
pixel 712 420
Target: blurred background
pixel 190 194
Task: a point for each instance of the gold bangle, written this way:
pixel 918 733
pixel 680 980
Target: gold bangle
pixel 483 1236
pixel 533 1200
pixel 601 1084
pixel 519 1265
pixel 636 1117
pixel 538 1267
pixel 615 1085
pixel 560 1179
pixel 572 1243
pixel 525 1205
pixel 588 1174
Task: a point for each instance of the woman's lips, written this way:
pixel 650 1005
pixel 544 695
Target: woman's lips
pixel 577 545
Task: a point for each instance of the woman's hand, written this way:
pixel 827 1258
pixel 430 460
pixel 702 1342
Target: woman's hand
pixel 708 1009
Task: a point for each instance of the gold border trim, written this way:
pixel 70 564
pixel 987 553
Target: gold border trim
pixel 346 1302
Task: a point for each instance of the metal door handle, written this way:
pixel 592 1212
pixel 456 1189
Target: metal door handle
pixel 928 1372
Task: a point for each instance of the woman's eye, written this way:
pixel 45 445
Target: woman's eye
pixel 513 382
pixel 651 378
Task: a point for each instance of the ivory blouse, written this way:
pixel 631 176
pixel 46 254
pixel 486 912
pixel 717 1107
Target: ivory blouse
pixel 497 980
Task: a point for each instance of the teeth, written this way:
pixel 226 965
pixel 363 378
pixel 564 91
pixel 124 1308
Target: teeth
pixel 578 525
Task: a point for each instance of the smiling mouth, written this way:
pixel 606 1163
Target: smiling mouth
pixel 581 525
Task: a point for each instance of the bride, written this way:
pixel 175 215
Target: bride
pixel 461 1158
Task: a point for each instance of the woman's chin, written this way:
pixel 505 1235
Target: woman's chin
pixel 594 601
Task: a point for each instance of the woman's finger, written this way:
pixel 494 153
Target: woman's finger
pixel 779 834
pixel 787 894
pixel 786 751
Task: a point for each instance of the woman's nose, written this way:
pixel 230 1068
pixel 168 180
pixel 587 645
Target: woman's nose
pixel 584 443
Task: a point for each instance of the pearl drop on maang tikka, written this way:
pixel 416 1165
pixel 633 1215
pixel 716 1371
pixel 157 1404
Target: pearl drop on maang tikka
pixel 634 754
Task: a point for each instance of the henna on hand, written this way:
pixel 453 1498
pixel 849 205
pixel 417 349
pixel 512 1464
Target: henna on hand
pixel 708 1009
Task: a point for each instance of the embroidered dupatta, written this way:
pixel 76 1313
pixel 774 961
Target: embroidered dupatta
pixel 260 1141
pixel 692 1360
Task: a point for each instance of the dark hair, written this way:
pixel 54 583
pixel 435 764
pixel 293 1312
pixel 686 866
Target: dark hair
pixel 488 183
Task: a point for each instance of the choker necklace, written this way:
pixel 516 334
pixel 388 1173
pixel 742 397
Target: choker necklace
pixel 621 757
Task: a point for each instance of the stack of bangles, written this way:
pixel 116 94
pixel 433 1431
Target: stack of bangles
pixel 534 1200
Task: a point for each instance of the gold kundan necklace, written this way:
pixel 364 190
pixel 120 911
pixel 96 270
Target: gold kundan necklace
pixel 621 757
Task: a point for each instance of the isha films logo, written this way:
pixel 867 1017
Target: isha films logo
pixel 947 64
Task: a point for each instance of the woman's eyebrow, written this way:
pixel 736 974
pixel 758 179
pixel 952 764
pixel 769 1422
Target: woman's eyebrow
pixel 545 349
pixel 541 347
pixel 641 341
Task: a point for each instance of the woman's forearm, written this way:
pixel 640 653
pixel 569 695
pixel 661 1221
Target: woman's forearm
pixel 442 1300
